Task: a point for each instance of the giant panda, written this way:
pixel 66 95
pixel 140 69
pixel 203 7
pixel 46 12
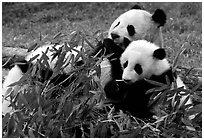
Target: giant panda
pixel 132 25
pixel 22 66
pixel 137 24
pixel 140 61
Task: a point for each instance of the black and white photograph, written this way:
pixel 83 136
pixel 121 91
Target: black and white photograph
pixel 101 69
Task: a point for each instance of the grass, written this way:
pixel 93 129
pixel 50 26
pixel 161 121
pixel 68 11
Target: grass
pixel 23 23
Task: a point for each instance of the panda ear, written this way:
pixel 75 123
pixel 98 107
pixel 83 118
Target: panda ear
pixel 159 17
pixel 136 7
pixel 159 54
pixel 23 65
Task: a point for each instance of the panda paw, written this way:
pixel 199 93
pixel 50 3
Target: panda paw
pixel 112 90
pixel 111 87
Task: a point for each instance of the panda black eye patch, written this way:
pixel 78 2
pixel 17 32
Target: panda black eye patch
pixel 125 64
pixel 117 24
pixel 131 30
pixel 138 69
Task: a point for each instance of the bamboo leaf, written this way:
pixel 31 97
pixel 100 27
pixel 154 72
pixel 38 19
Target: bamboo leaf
pixel 11 126
pixel 175 62
pixel 33 47
pixel 31 134
pixel 5 120
pixel 33 58
pixel 86 40
pixel 154 82
pixel 57 35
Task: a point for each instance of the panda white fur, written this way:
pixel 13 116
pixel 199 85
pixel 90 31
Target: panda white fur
pixel 141 60
pixel 50 49
pixel 132 25
pixel 137 24
pixel 21 67
pixel 141 52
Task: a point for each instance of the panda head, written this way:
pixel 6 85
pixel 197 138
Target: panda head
pixel 137 24
pixel 143 59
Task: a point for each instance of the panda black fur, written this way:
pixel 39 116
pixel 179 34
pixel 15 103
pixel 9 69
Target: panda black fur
pixel 141 60
pixel 137 24
pixel 132 25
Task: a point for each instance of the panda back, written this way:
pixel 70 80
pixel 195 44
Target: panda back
pixel 14 75
pixel 50 53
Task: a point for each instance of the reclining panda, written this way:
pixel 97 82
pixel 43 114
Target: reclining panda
pixel 46 55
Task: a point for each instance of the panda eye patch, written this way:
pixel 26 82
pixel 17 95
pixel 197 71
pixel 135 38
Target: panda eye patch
pixel 117 24
pixel 125 64
pixel 138 69
pixel 131 30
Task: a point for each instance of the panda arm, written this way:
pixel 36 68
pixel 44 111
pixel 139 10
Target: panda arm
pixel 108 47
pixel 98 50
pixel 115 91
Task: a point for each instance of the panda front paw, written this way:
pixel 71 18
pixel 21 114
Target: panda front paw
pixel 111 88
pixel 114 90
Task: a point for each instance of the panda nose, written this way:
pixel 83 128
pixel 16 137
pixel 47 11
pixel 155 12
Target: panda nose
pixel 126 80
pixel 114 36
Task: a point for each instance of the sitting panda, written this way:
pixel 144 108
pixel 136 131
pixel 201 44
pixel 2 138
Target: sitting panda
pixel 22 66
pixel 140 61
pixel 137 24
pixel 132 25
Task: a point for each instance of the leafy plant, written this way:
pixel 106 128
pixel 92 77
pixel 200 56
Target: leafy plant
pixel 43 110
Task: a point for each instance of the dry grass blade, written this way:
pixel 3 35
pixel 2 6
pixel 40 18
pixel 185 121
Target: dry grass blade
pixel 155 83
pixel 89 43
pixel 57 35
pixel 40 36
pixel 175 62
pixel 196 87
pixel 7 61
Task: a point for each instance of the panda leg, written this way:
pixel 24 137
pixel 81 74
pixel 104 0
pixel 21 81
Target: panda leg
pixel 13 76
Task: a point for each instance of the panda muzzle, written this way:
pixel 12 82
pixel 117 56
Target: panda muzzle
pixel 114 36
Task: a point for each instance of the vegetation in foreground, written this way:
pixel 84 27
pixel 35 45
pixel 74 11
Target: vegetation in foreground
pixel 79 110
